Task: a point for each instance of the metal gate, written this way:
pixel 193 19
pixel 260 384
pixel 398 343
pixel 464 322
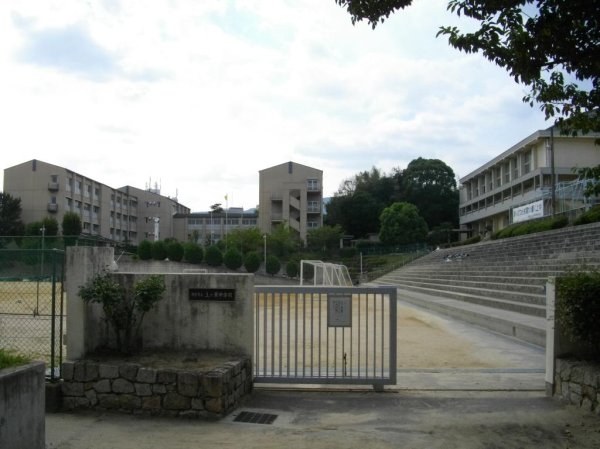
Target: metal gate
pixel 325 335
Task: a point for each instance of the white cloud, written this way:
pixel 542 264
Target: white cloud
pixel 200 96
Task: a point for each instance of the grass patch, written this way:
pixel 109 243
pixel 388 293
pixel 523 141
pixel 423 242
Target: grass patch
pixel 8 359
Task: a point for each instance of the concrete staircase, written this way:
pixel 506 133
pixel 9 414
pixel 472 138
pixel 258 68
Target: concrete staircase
pixel 499 285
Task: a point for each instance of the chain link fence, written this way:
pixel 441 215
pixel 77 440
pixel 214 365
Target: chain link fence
pixel 32 312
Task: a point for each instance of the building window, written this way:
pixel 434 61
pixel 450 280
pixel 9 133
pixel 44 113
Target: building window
pixel 312 184
pixel 526 159
pixel 515 167
pixel 507 173
pixel 312 224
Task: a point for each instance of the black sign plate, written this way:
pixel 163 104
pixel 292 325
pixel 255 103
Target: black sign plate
pixel 212 294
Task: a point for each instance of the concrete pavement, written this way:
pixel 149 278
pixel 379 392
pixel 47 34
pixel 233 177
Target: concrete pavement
pixel 352 420
pixel 434 407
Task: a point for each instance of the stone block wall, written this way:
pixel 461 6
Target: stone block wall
pixel 133 388
pixel 578 383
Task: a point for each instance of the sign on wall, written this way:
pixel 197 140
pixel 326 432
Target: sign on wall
pixel 528 211
pixel 339 311
pixel 211 294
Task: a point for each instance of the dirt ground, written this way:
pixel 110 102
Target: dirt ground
pixel 426 341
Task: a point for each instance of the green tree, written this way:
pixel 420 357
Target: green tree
pixel 193 253
pixel 283 241
pixel 252 262
pixel 430 185
pixel 245 240
pixel 71 227
pixel 358 214
pixel 159 250
pixel 144 250
pixel 232 259
pixel 10 216
pixel 124 310
pixel 550 46
pixel 401 224
pixel 175 251
pixel 273 265
pixel 357 204
pixel 213 256
pixel 324 238
pixel 291 268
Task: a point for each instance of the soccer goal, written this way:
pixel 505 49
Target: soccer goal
pixel 317 272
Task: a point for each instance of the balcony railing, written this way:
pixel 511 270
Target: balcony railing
pixel 52 207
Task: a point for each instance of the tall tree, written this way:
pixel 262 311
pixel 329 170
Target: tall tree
pixel 10 215
pixel 71 224
pixel 430 185
pixel 401 224
pixel 550 46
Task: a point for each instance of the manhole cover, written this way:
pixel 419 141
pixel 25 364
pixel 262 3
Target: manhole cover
pixel 255 418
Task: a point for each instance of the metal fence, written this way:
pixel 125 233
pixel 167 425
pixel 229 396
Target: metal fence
pixel 32 317
pixel 325 335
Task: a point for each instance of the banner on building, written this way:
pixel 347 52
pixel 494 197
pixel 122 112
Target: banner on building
pixel 528 211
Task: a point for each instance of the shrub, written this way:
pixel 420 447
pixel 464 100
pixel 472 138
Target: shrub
pixel 348 252
pixel 272 265
pixel 578 309
pixel 213 256
pixel 193 253
pixel 9 358
pixel 252 262
pixel 590 216
pixel 159 250
pixel 124 310
pixel 144 250
pixel 233 259
pixel 291 269
pixel 175 251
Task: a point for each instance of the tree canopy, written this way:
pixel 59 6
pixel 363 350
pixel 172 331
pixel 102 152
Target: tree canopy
pixel 401 224
pixel 550 46
pixel 10 215
pixel 430 184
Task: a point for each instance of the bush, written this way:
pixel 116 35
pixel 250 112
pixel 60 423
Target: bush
pixel 159 250
pixel 291 269
pixel 144 250
pixel 175 251
pixel 273 265
pixel 578 309
pixel 590 216
pixel 213 256
pixel 252 262
pixel 9 358
pixel 124 310
pixel 530 227
pixel 193 253
pixel 348 252
pixel 233 259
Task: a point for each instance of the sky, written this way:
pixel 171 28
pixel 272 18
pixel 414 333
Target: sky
pixel 196 96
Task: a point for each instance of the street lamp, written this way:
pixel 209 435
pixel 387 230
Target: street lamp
pixel 265 250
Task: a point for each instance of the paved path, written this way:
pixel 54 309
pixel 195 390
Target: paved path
pixel 496 400
pixel 350 420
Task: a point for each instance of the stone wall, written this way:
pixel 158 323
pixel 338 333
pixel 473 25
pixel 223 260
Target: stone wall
pixel 133 388
pixel 578 383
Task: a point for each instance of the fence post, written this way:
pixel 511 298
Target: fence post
pixel 550 334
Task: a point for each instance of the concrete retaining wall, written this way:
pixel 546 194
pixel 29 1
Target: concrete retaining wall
pixel 22 419
pixel 578 383
pixel 133 388
pixel 177 322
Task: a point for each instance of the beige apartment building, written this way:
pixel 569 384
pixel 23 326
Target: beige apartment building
pixel 517 185
pixel 126 214
pixel 291 194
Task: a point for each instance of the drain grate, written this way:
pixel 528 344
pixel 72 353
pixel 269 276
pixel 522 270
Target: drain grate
pixel 255 418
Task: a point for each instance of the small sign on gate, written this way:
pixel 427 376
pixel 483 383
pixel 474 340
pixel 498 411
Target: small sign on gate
pixel 339 311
